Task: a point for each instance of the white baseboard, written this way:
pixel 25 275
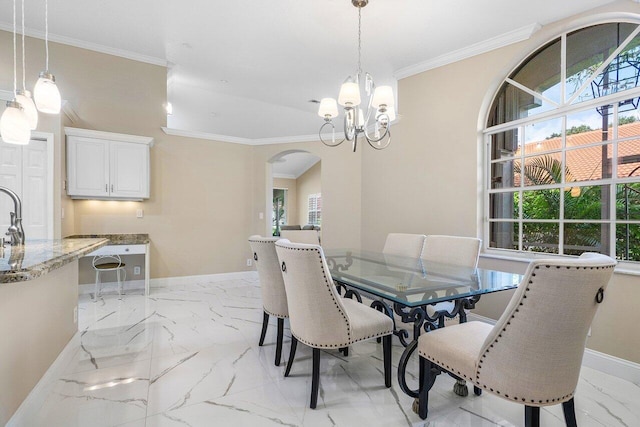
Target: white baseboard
pixel 166 282
pixel 593 359
pixel 39 393
pixel 190 280
pixel 110 287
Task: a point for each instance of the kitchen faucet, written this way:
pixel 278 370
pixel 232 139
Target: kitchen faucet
pixel 15 229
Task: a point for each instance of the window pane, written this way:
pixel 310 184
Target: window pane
pixel 542 170
pixel 628 242
pixel 541 204
pixel 585 164
pixel 629 158
pixel 628 124
pixel 587 49
pixel 540 237
pixel 582 237
pixel 505 144
pixel 504 235
pixel 542 72
pixel 628 201
pixel 585 127
pixel 543 136
pixel 587 202
pixel 503 205
pixel 504 174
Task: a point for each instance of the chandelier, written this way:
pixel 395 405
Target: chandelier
pixel 370 117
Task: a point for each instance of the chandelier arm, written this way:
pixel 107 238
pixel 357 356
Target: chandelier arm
pixel 380 138
pixel 329 144
pixel 380 147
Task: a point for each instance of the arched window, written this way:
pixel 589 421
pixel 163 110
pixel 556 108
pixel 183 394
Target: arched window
pixel 563 147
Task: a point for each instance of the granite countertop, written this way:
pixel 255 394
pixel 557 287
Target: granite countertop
pixel 116 239
pixel 38 257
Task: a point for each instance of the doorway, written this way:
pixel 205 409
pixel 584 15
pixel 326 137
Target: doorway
pixel 296 191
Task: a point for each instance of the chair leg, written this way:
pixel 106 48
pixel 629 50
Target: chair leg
pixel 569 410
pixel 344 350
pixel 292 354
pixel 425 380
pixel 315 378
pixel 97 287
pixel 279 341
pixel 386 351
pixel 532 416
pixel 477 391
pixel 265 323
pixel 119 283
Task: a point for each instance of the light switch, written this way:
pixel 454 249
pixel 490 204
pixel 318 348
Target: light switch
pixel 139 213
pixel 261 215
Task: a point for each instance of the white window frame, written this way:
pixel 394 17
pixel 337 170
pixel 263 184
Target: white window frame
pixel 561 111
pixel 312 202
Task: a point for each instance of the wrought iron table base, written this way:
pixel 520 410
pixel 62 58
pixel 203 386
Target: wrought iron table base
pixel 421 320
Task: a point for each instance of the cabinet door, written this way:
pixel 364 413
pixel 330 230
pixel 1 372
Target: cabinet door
pixel 129 170
pixel 88 167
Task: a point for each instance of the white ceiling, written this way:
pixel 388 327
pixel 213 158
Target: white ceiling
pixel 246 70
pixel 293 165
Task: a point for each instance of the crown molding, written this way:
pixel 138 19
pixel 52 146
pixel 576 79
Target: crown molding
pixel 284 176
pixel 238 140
pixel 90 46
pixel 493 43
pixel 71 114
pixel 89 133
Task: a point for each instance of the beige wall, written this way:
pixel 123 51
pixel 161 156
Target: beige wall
pixel 36 322
pixel 291 206
pixel 429 180
pixel 309 182
pixel 206 196
pixel 340 181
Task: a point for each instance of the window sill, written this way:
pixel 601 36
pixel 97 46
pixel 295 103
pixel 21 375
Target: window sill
pixel 627 268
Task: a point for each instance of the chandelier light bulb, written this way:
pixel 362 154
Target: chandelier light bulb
pixel 46 94
pixel 328 108
pixel 24 99
pixel 349 94
pixel 14 126
pixel 383 96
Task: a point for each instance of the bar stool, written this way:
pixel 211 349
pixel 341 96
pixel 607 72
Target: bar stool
pixel 104 263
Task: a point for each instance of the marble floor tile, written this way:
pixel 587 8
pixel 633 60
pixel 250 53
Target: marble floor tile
pixel 204 374
pixel 188 355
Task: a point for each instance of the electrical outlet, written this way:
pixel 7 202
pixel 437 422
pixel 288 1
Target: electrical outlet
pixel 139 213
pixel 136 270
pixel 75 314
pixel 261 215
pixel 249 262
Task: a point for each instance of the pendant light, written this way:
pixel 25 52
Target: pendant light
pixel 24 96
pixel 14 126
pixel 46 93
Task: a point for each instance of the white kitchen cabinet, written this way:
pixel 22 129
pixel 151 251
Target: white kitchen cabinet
pixel 109 166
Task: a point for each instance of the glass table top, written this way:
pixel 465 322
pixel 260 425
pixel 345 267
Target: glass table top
pixel 412 281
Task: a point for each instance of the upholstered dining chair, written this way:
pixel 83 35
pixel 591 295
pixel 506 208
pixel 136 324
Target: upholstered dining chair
pixel 533 354
pixel 274 298
pixel 454 250
pixel 310 237
pixel 404 244
pixel 319 316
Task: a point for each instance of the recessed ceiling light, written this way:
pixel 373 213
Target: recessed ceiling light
pixel 224 81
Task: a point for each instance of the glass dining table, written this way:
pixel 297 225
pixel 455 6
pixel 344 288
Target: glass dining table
pixel 407 286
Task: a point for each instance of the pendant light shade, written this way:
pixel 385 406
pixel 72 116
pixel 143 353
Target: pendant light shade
pixel 24 99
pixel 46 94
pixel 14 126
